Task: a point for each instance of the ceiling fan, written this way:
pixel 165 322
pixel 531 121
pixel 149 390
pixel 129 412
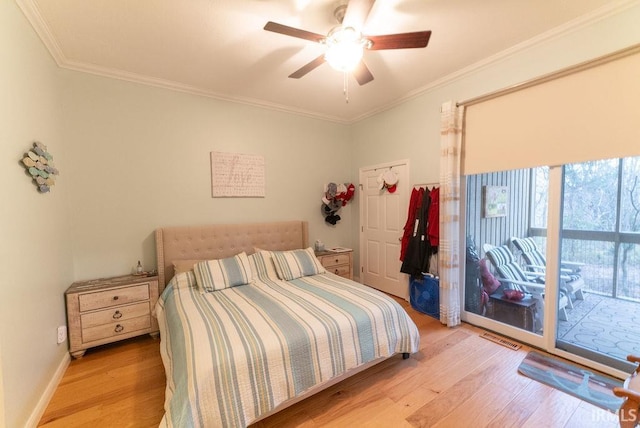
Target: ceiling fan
pixel 346 44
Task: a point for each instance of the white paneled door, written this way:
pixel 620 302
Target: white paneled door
pixel 382 218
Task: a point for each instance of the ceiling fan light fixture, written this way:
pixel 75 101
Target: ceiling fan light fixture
pixel 345 44
pixel 345 47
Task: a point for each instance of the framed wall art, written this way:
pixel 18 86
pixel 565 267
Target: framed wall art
pixel 237 175
pixel 496 200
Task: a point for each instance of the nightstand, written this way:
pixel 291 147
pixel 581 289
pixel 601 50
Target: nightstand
pixel 106 310
pixel 339 263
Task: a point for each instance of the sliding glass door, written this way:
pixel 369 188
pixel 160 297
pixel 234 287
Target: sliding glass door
pixel 501 293
pixel 600 228
pixel 582 285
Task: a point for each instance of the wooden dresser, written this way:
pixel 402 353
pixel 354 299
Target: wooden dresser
pixel 339 263
pixel 106 310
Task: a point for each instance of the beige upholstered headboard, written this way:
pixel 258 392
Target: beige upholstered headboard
pixel 224 240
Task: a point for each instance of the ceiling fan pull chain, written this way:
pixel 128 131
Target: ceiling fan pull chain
pixel 345 87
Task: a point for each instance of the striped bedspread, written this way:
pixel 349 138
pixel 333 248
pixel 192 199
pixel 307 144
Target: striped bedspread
pixel 235 354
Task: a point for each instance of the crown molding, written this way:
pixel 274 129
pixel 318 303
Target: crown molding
pixel 32 12
pixel 193 90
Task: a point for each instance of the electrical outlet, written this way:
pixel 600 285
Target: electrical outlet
pixel 62 333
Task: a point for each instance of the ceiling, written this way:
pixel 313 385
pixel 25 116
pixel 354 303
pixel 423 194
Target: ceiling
pixel 218 48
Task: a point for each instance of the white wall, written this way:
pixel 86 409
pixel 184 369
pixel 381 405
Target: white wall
pixel 139 159
pixel 35 245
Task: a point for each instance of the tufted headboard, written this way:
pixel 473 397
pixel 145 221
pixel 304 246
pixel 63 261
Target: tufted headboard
pixel 218 241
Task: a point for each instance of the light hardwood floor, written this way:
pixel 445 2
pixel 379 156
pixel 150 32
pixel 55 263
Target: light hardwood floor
pixel 457 379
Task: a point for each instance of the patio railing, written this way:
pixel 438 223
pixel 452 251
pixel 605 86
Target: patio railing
pixel 610 268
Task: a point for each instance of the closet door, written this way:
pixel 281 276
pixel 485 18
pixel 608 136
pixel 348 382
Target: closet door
pixel 382 218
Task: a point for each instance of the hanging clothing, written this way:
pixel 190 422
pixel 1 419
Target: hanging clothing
pixel 416 260
pixel 433 227
pixel 425 245
pixel 414 204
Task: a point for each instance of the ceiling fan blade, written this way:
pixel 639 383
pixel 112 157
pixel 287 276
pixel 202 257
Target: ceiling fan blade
pixel 362 73
pixel 293 32
pixel 307 67
pixel 357 12
pixel 418 39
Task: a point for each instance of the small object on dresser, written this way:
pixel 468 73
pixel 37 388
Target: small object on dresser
pixel 319 245
pixel 139 269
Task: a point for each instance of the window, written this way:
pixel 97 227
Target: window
pixel 590 193
pixel 540 191
pixel 601 224
pixel 630 195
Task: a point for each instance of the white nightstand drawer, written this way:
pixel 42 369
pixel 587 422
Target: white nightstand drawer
pixel 117 314
pixel 335 260
pixel 339 270
pixel 113 297
pixel 116 328
pixel 338 263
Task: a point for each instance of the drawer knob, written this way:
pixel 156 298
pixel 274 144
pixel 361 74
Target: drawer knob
pixel 337 271
pixel 115 297
pixel 117 315
pixel 118 328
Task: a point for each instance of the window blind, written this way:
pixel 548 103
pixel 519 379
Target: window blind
pixel 585 115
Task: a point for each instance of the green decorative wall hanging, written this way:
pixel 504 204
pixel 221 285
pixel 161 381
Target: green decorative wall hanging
pixel 39 164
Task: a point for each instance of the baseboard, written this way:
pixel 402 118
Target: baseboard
pixel 37 413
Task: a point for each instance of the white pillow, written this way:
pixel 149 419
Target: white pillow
pixel 296 263
pixel 262 265
pixel 184 280
pixel 212 275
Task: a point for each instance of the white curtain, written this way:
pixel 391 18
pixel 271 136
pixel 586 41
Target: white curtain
pixel 449 246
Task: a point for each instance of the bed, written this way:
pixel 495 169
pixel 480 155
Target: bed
pixel 251 323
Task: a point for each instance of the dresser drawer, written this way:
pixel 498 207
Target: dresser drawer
pixel 116 328
pixel 116 314
pixel 113 297
pixel 335 260
pixel 343 270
